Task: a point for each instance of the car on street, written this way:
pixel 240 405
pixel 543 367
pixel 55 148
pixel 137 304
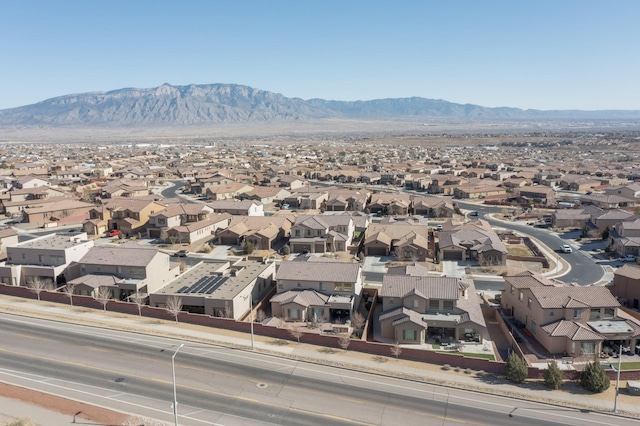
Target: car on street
pixel 114 233
pixel 182 253
pixel 628 258
pixel 473 214
pixel 566 248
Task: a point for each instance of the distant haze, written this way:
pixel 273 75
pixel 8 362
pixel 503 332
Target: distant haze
pixel 209 104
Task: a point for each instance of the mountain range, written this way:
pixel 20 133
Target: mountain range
pixel 193 104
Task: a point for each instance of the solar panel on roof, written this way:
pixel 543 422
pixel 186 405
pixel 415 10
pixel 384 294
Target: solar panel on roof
pixel 182 289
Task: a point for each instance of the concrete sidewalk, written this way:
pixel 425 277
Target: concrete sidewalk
pixel 628 406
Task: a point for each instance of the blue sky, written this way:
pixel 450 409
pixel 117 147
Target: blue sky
pixel 558 54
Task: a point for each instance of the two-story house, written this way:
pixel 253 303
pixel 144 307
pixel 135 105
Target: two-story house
pixel 317 289
pixel 219 289
pixel 321 233
pixel 44 258
pixel 131 215
pixel 568 319
pixel 127 269
pixel 419 309
pixel 474 240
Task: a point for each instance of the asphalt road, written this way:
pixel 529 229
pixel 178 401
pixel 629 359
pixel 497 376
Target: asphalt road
pixel 132 373
pixel 584 270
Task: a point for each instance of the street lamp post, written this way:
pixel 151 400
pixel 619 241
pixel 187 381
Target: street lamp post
pixel 175 395
pixel 250 296
pixel 615 402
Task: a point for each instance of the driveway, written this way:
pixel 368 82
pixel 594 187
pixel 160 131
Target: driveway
pixel 375 268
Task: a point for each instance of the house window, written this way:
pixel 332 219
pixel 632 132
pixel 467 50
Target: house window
pixel 293 314
pixel 318 314
pixel 587 348
pixel 609 313
pixel 337 287
pixel 551 313
pixel 512 288
pixel 532 327
pixel 348 287
pixel 529 302
pixel 521 296
pixel 577 313
pixel 322 287
pixel 594 314
pixel 447 305
pixel 434 304
pixel 410 335
pixel 280 286
pixel 416 303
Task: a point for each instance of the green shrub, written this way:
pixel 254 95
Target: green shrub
pixel 516 369
pixel 594 378
pixel 553 376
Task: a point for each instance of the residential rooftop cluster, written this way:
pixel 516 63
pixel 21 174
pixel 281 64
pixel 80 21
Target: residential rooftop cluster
pixel 284 233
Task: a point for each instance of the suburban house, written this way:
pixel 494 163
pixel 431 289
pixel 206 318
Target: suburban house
pixel 433 207
pixel 346 201
pixel 265 194
pixel 630 191
pixel 8 237
pixel 261 231
pixel 201 230
pixel 65 210
pixel 420 309
pixel 538 195
pixel 624 237
pixel 307 200
pixel 473 240
pixel 130 215
pixel 44 258
pixel 626 286
pixel 391 204
pixel 478 190
pixel 317 288
pixel 403 240
pixel 227 191
pixel 321 233
pixel 219 288
pixel 237 207
pixel 568 319
pixel 126 269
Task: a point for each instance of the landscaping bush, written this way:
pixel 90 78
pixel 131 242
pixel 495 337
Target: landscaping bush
pixel 594 378
pixel 553 376
pixel 516 369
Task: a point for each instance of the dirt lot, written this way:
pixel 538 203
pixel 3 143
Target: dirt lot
pixel 97 415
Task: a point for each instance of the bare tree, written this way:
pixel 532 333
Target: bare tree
pixel 103 295
pixel 344 341
pixel 39 285
pixel 69 289
pixel 358 320
pixel 140 300
pixel 174 306
pixel 396 349
pixel 296 332
pixel 260 315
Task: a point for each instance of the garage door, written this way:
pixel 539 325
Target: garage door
pixel 376 251
pixel 452 255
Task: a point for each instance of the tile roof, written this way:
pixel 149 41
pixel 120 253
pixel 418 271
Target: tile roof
pixel 301 297
pixel 129 254
pixel 573 297
pixel 319 271
pixel 572 330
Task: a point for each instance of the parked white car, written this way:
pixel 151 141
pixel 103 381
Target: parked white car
pixel 628 258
